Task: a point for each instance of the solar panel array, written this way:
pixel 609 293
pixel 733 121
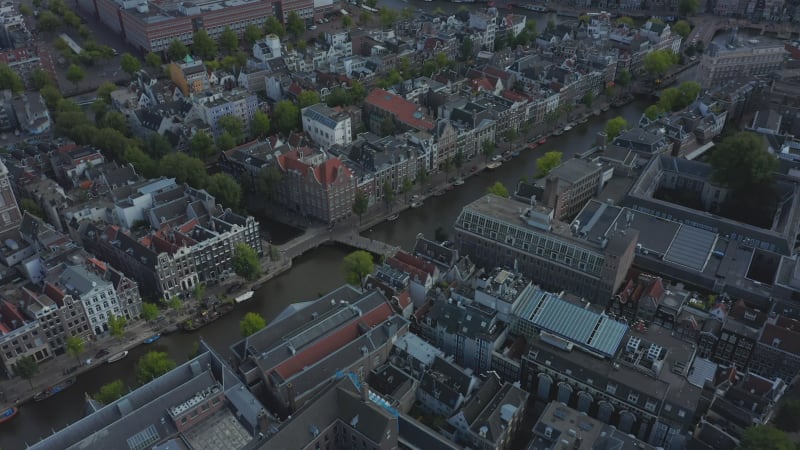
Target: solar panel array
pixel 588 329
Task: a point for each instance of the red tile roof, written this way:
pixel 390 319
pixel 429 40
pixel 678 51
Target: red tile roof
pixel 783 338
pixel 403 110
pixel 55 294
pixel 325 174
pixel 514 96
pixel 481 83
pixel 417 262
pixel 417 274
pixel 329 344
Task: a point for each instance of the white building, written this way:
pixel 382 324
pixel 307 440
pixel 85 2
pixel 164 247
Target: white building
pixel 267 48
pixel 97 295
pixel 327 126
pixel 486 25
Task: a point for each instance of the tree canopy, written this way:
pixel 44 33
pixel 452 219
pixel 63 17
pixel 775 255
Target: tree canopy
pixel 307 98
pixel 152 59
pixel 225 189
pixel 75 347
pixel 27 368
pixel 184 169
pixel 741 161
pixel 10 79
pixel 274 26
pixel 75 74
pixel 286 117
pixel 360 204
pixel 229 40
pixel 682 28
pixel 547 162
pixel 259 126
pixel 245 262
pixel 251 323
pixel 657 63
pixel 688 7
pixel 233 125
pixel 357 265
pixel 614 127
pixel 203 46
pixel 152 365
pixel 201 146
pixel 295 25
pixel 788 417
pixel 116 325
pixel 110 392
pixel 177 50
pixel 765 437
pixel 499 189
pixel 129 63
pixel 149 311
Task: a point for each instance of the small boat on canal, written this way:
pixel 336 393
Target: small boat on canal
pixel 9 414
pixel 53 390
pixel 116 357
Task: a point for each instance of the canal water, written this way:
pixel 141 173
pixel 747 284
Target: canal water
pixel 313 274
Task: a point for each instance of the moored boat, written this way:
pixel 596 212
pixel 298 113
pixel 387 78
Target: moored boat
pixel 152 339
pixel 244 297
pixel 458 182
pixel 116 357
pixel 494 165
pixel 542 141
pixel 416 203
pixel 9 414
pixel 206 316
pixel 393 217
pixel 53 390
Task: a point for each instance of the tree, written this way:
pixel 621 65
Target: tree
pixel 688 7
pixel 75 74
pixel 129 63
pixel 201 145
pixel 39 79
pixel 406 187
pixel 251 323
pixel 307 98
pixel 364 18
pixel 682 28
pixel 228 40
pixel 48 21
pixel 152 59
pixel 511 135
pixel 233 125
pixel 788 417
pixel 174 303
pixel 624 78
pixel 657 63
pixel 627 21
pixel 149 311
pixel 588 99
pixel 259 126
pixel 652 112
pixel 388 192
pixel 105 90
pixel 110 392
pixel 203 46
pixel 116 325
pixel 360 204
pixel 347 22
pixel 199 291
pixel 498 188
pixel 252 34
pixel 245 262
pixel 467 50
pixel 547 162
pixel 357 266
pixel 30 206
pixel 295 25
pixel 152 365
pixel 488 147
pixel 225 189
pixel 765 437
pixel 742 161
pixel 273 26
pixel 177 50
pixel 75 347
pixel 10 79
pixel 458 161
pixel 27 368
pixel 266 180
pixel 422 176
pixel 388 17
pixel 614 127
pixel 184 169
pixel 287 116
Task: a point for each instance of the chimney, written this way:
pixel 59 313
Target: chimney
pixel 364 391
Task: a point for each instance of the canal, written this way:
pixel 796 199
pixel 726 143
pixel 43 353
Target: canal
pixel 315 273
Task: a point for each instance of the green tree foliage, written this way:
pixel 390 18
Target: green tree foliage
pixel 360 204
pixel 245 262
pixel 688 7
pixel 614 127
pixel 295 25
pixel 39 79
pixel 546 163
pixel 488 148
pixel 657 63
pixel 149 311
pixel 175 303
pixel 10 80
pixel 364 18
pixel 75 347
pixel 228 40
pixel 624 78
pixel 675 99
pixel 25 10
pixel 273 26
pixel 129 63
pixel 203 46
pixel 741 162
pixel 143 164
pixel 30 206
pixel 765 437
pixel 267 180
pixel 225 189
pixel 152 365
pixel 406 187
pixel 286 117
pixel 467 49
pixel 110 392
pixel 498 188
pixel 307 98
pixel 177 50
pixel 116 325
pixel 47 21
pixel 388 17
pixel 115 120
pixel 259 126
pixel 682 28
pixel 201 146
pixel 252 33
pixel 157 146
pixel 184 169
pixel 357 265
pixel 152 59
pixel 627 21
pixel 233 125
pixel 27 368
pixel 251 323
pixel 75 74
pixel 652 112
pixel 588 99
pixel 788 417
pixel 388 192
pixel 392 78
pixel 105 90
pixel 347 22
